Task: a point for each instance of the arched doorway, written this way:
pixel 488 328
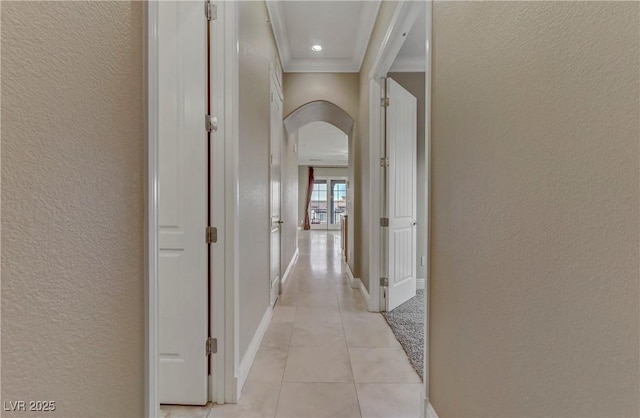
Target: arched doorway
pixel 325 111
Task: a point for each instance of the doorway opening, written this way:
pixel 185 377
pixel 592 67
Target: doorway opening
pixel 324 148
pixel 323 133
pixel 328 204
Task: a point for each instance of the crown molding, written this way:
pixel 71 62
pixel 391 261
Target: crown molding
pixel 367 20
pixel 409 65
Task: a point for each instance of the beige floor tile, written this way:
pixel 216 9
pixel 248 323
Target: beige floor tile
pixel 287 298
pixel 318 299
pixel 284 313
pixel 268 365
pixel 278 335
pixel 381 365
pixel 316 400
pixel 182 411
pixel 364 317
pixel 318 364
pixel 313 334
pixel 389 400
pixel 369 334
pixel 258 400
pixel 318 314
pixel 353 302
pixel 302 285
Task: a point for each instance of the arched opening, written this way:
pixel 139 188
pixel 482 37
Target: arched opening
pixel 336 213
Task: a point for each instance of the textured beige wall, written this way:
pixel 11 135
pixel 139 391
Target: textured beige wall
pixel 340 89
pixel 289 207
pixel 535 152
pixel 361 145
pixel 72 206
pixel 414 83
pixel 257 50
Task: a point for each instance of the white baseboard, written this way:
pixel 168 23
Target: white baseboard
pixel 420 283
pixel 252 350
pixel 365 295
pixel 287 272
pixel 354 282
pixel 430 412
pixel 299 228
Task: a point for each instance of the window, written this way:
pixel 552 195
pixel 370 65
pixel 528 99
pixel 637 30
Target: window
pixel 318 205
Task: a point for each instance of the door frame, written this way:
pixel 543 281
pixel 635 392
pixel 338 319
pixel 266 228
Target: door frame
pixel 275 80
pixel 224 264
pixel 404 16
pixel 328 179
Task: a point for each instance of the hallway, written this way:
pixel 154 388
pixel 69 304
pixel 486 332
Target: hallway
pixel 323 355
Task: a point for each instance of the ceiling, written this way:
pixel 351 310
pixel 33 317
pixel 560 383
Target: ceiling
pixel 342 28
pixel 412 55
pixel 322 144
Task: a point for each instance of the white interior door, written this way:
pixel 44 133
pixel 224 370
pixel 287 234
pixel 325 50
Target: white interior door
pixel 275 181
pixel 182 213
pixel 401 142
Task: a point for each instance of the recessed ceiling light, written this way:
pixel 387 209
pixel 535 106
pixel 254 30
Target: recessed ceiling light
pixel 316 48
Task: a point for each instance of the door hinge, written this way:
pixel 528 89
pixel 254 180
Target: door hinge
pixel 384 281
pixel 211 346
pixel 384 221
pixel 211 123
pixel 210 10
pixel 384 102
pixel 384 162
pixel 211 235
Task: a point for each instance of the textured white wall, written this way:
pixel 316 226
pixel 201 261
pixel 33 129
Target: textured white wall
pixel 535 153
pixel 72 206
pixel 257 50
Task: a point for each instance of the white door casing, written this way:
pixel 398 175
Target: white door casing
pixel 182 209
pixel 275 171
pixel 401 148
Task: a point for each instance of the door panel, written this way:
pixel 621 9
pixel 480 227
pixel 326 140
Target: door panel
pixel 337 203
pixel 182 204
pixel 275 181
pixel 401 123
pixel 318 210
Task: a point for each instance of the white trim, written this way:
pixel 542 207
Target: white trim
pixel 274 10
pixel 231 344
pixel 427 236
pixel 402 21
pixel 367 20
pixel 365 295
pixel 299 228
pixel 218 212
pixel 319 65
pixel 252 350
pixel 404 17
pixel 375 93
pixel 289 269
pixel 430 412
pixel 409 65
pixel 354 282
pixel 152 403
pixel 420 283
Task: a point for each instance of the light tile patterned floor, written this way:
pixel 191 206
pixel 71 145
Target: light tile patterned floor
pixel 323 355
